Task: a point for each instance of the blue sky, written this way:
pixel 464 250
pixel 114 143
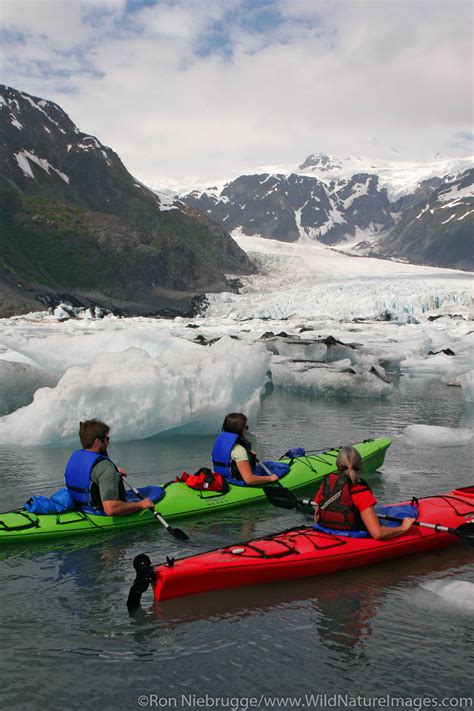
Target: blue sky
pixel 209 89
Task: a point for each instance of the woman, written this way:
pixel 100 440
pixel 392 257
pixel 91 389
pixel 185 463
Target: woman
pixel 345 501
pixel 232 454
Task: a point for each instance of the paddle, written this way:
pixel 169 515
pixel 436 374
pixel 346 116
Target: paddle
pixel 176 532
pixel 285 499
pixel 465 531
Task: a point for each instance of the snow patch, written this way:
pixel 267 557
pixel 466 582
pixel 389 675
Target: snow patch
pixel 16 123
pixel 23 159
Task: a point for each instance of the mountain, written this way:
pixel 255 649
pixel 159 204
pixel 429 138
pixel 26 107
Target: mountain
pixel 286 207
pixel 75 222
pixel 338 208
pixel 438 230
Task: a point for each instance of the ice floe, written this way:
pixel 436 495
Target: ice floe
pixel 452 593
pixel 438 436
pixel 141 395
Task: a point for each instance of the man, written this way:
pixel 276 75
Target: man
pixel 93 479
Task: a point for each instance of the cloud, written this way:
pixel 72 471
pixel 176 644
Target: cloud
pixel 212 89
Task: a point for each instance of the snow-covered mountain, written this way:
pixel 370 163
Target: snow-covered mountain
pixel 399 177
pixel 438 230
pixel 288 207
pixel 335 201
pixel 74 220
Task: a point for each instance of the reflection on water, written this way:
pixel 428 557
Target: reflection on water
pixel 371 630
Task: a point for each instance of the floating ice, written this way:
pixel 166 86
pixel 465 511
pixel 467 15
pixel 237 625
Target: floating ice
pixel 437 436
pixel 455 593
pixel 140 395
pixel 308 291
pixel 18 383
pixel 79 343
pixel 326 382
pixel 298 349
pixel 467 384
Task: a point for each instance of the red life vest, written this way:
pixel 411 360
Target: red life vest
pixel 337 509
pixel 205 480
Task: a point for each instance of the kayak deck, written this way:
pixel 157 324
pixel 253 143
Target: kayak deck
pixel 180 500
pixel 304 552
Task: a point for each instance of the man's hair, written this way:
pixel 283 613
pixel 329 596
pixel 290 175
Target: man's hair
pixel 235 422
pixel 90 430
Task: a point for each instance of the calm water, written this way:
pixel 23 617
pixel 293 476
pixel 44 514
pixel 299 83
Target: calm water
pixel 68 642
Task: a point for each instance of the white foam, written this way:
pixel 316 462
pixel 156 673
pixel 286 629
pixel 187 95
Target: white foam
pixel 437 436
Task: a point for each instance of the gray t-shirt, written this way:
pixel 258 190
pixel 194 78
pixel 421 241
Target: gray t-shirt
pixel 108 480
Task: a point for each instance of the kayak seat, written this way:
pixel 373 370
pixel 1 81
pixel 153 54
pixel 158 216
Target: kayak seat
pixel 155 493
pixel 399 511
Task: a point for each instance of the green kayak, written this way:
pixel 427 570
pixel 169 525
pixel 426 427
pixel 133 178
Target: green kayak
pixel 180 500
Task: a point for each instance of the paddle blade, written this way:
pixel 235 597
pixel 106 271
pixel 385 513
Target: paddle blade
pixel 178 533
pixel 279 496
pixel 466 533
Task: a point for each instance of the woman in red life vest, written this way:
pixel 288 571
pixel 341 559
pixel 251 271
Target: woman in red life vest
pixel 346 502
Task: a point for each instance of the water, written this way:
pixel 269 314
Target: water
pixel 68 642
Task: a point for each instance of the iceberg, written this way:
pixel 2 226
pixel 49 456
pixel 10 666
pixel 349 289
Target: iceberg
pixel 324 381
pixel 19 382
pixel 140 395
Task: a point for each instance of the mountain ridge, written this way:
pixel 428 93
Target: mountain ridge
pixel 61 188
pixel 338 210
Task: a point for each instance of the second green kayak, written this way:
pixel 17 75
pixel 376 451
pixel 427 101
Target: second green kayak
pixel 180 500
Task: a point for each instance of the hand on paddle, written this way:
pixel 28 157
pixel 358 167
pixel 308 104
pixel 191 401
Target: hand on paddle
pixel 406 524
pixel 147 504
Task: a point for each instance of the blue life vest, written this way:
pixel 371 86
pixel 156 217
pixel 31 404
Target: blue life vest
pixel 222 458
pixel 224 465
pixel 78 477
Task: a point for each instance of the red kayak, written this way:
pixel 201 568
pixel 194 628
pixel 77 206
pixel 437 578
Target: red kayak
pixel 303 551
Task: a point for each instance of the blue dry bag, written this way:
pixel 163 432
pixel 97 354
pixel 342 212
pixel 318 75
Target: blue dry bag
pixel 59 502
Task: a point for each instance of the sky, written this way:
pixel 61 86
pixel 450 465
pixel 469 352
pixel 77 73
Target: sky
pixel 199 90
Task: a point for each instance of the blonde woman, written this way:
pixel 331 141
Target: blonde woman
pixel 346 502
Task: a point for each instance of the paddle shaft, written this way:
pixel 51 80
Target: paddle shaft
pixel 176 532
pixel 435 526
pixel 422 524
pixel 265 468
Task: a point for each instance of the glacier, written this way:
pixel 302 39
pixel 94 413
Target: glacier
pixel 313 320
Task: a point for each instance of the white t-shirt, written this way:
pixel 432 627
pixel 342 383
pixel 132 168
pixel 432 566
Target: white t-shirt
pixel 239 453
